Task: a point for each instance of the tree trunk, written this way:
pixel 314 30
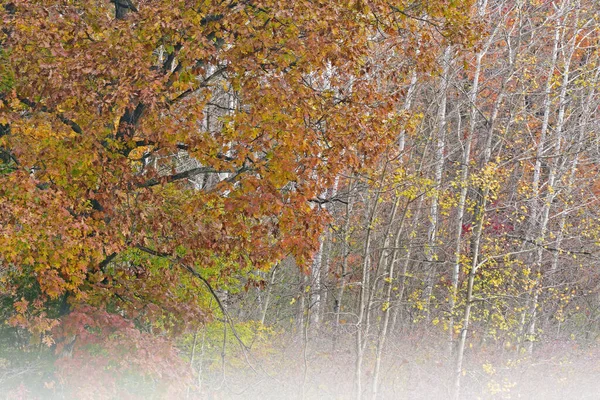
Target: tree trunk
pixel 338 302
pixel 389 284
pixel 363 304
pixel 430 249
pixel 268 297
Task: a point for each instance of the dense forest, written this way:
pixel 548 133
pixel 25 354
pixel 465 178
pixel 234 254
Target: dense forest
pixel 306 199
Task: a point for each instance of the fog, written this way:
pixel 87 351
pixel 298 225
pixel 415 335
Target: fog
pixel 414 368
pixel 310 365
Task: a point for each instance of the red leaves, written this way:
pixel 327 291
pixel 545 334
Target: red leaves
pixel 100 347
pixel 466 229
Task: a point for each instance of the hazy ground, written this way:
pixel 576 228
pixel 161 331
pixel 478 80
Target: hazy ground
pixel 415 366
pixel 413 369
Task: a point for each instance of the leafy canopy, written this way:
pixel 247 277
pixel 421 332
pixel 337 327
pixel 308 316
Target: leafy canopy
pixel 268 101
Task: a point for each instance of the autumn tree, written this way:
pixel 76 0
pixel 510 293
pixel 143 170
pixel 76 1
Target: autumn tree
pixel 154 151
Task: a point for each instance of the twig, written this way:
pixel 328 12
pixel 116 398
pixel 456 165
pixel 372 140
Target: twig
pixel 195 273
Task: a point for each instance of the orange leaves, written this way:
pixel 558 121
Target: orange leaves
pixel 195 130
pixel 21 306
pixel 32 316
pixel 51 283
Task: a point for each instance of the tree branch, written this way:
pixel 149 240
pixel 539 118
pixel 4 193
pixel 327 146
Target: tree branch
pixel 107 261
pixel 553 249
pixel 196 274
pixel 203 84
pixel 189 174
pixel 70 123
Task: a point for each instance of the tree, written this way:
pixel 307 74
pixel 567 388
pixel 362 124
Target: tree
pixel 152 148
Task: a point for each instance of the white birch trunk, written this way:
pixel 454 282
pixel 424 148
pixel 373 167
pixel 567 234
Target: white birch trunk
pixel 430 252
pixel 363 306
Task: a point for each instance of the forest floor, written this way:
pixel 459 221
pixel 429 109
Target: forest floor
pixel 414 367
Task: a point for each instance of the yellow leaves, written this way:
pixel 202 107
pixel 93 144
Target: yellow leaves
pixel 488 368
pixel 489 178
pixel 39 135
pixel 138 152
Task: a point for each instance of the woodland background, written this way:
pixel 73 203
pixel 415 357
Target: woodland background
pixel 299 199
